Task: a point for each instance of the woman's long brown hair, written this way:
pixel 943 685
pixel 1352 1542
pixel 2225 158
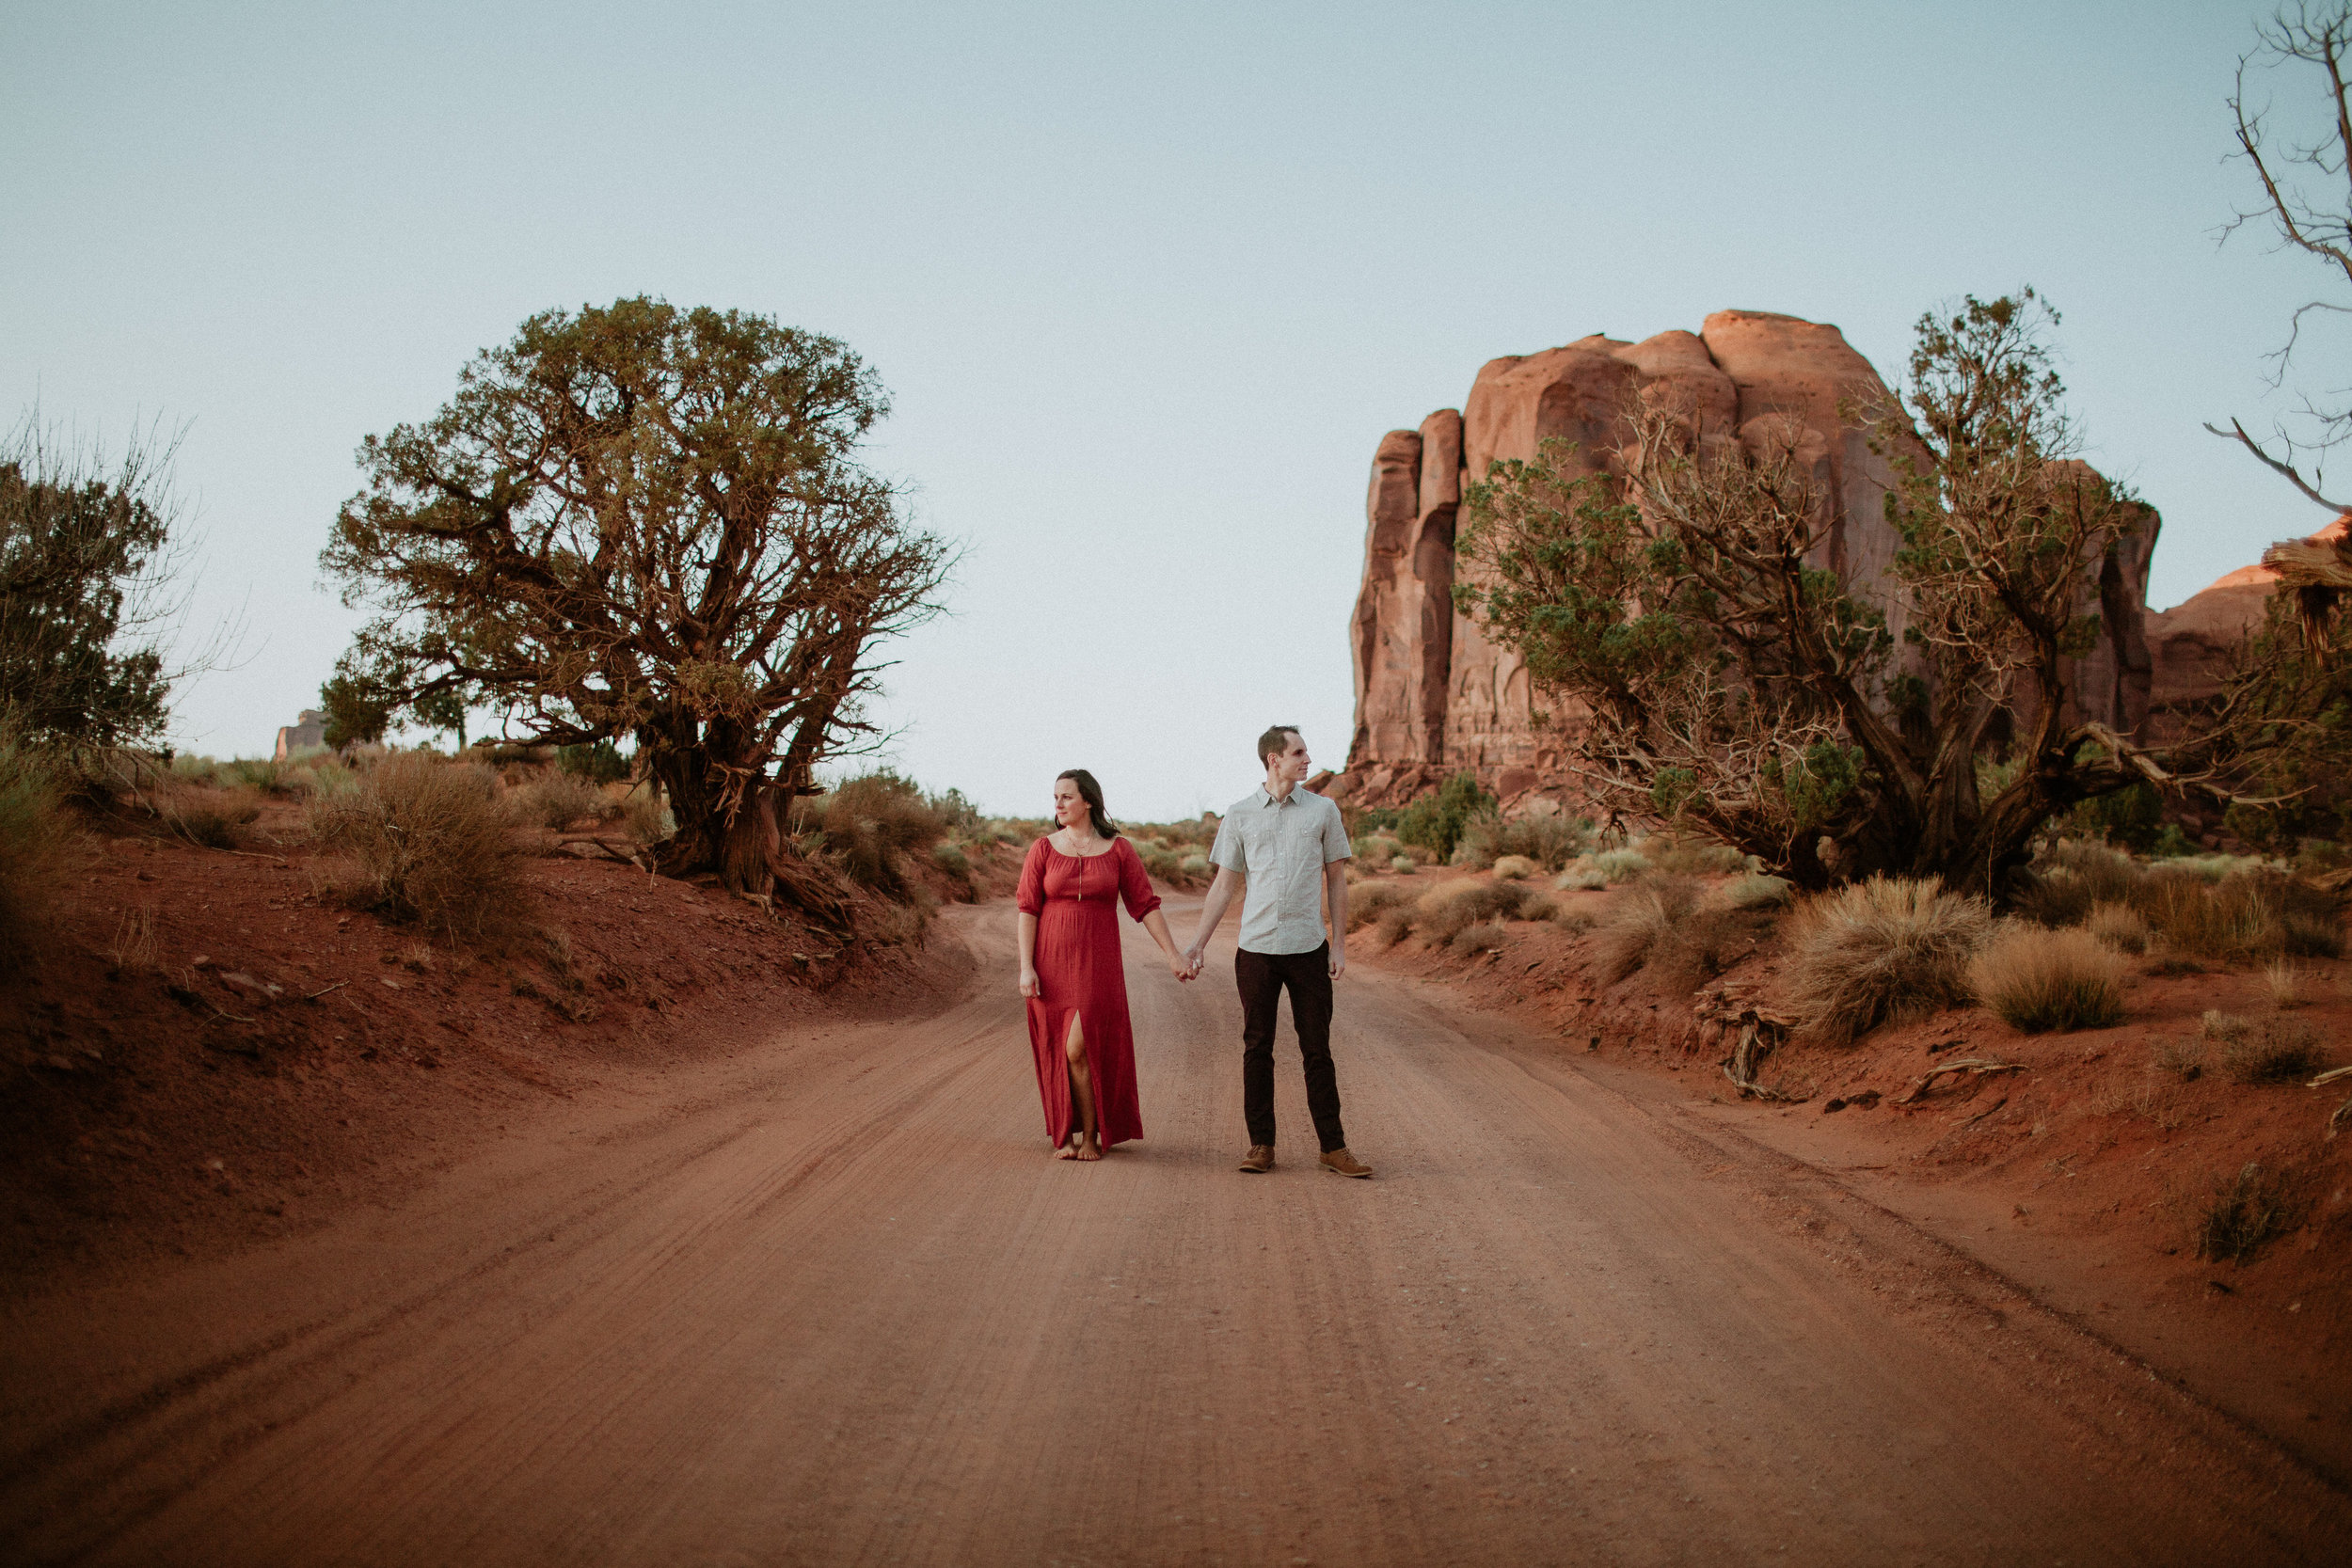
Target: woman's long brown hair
pixel 1091 793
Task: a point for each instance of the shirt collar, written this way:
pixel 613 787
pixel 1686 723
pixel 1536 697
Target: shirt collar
pixel 1265 798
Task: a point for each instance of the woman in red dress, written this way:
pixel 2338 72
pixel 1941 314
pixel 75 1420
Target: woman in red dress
pixel 1072 886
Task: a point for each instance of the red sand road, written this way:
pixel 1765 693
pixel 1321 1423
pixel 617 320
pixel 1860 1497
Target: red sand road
pixel 831 1302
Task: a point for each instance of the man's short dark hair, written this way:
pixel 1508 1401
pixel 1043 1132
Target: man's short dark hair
pixel 1275 742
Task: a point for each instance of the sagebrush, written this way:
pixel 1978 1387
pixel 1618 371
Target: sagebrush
pixel 430 841
pixel 1875 950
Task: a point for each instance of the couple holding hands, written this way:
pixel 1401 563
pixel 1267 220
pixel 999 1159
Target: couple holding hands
pixel 1286 850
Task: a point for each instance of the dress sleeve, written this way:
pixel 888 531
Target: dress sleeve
pixel 1031 896
pixel 1135 885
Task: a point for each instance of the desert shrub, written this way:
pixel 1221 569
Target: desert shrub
pixel 2072 881
pixel 1513 868
pixel 208 818
pixel 2119 925
pixel 2181 1056
pixel 870 822
pixel 1693 859
pixel 598 762
pixel 1551 839
pixel 431 843
pixel 2244 914
pixel 1637 924
pixel 1755 889
pixel 1880 949
pixel 1403 865
pixel 1482 936
pixel 949 857
pixel 1367 903
pixel 1450 906
pixel 2269 1051
pixel 1197 868
pixel 1435 821
pixel 1378 848
pixel 1620 866
pixel 323 774
pixel 645 817
pixel 558 798
pixel 1158 859
pixel 2243 1211
pixel 2132 817
pixel 1396 923
pixel 952 808
pixel 262 775
pixel 1538 907
pixel 34 833
pixel 1583 877
pixel 2042 981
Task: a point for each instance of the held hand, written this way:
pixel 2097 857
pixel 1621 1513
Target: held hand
pixel 1028 982
pixel 1193 957
pixel 1180 965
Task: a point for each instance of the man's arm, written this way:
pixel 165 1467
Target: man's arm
pixel 1335 882
pixel 1212 911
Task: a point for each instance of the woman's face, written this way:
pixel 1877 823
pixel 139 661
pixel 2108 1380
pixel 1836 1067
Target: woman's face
pixel 1069 807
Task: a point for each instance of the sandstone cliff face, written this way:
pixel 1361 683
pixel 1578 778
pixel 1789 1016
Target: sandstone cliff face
pixel 1434 695
pixel 2190 645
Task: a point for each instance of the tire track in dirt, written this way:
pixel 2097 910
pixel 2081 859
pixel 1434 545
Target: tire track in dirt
pixel 831 1303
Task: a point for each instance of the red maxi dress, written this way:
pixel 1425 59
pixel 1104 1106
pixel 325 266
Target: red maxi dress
pixel 1079 973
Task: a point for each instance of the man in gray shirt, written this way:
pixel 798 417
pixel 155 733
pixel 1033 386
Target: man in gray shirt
pixel 1288 848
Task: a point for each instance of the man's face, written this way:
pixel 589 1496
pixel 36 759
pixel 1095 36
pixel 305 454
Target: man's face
pixel 1293 763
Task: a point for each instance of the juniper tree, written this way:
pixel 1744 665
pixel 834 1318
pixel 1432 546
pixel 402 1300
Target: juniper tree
pixel 647 522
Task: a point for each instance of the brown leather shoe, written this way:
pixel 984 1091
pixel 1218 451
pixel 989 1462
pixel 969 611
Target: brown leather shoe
pixel 1260 1159
pixel 1341 1162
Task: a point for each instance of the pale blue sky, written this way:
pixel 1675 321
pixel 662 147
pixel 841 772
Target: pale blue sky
pixel 1147 284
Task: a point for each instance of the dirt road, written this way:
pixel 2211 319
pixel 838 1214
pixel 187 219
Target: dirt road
pixel 831 1303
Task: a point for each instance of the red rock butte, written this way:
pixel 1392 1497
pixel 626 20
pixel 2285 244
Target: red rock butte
pixel 1435 697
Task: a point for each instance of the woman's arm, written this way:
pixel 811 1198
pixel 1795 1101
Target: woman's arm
pixel 1028 954
pixel 1179 963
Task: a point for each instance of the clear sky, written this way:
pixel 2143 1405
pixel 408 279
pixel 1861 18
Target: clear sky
pixel 1147 283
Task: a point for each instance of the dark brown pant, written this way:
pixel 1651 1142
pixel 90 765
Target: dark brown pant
pixel 1260 977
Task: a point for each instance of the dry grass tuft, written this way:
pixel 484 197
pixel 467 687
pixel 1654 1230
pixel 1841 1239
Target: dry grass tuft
pixel 645 816
pixel 2042 981
pixel 1548 840
pixel 2272 1051
pixel 430 843
pixel 208 818
pixel 1538 907
pixel 1755 889
pixel 1880 949
pixel 1485 936
pixel 1513 868
pixel 1581 878
pixel 1396 923
pixel 2285 984
pixel 134 949
pixel 2119 925
pixel 2243 1213
pixel 1448 907
pixel 2181 1056
pixel 1665 928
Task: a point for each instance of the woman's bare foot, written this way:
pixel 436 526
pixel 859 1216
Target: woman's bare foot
pixel 1067 1151
pixel 1089 1149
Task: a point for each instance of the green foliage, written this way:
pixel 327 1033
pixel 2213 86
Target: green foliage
pixel 358 710
pixel 598 762
pixel 542 541
pixel 81 551
pixel 1436 821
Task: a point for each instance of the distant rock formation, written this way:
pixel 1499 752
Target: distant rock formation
pixel 1434 696
pixel 2191 643
pixel 308 730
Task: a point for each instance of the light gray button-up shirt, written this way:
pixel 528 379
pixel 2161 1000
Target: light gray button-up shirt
pixel 1282 846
